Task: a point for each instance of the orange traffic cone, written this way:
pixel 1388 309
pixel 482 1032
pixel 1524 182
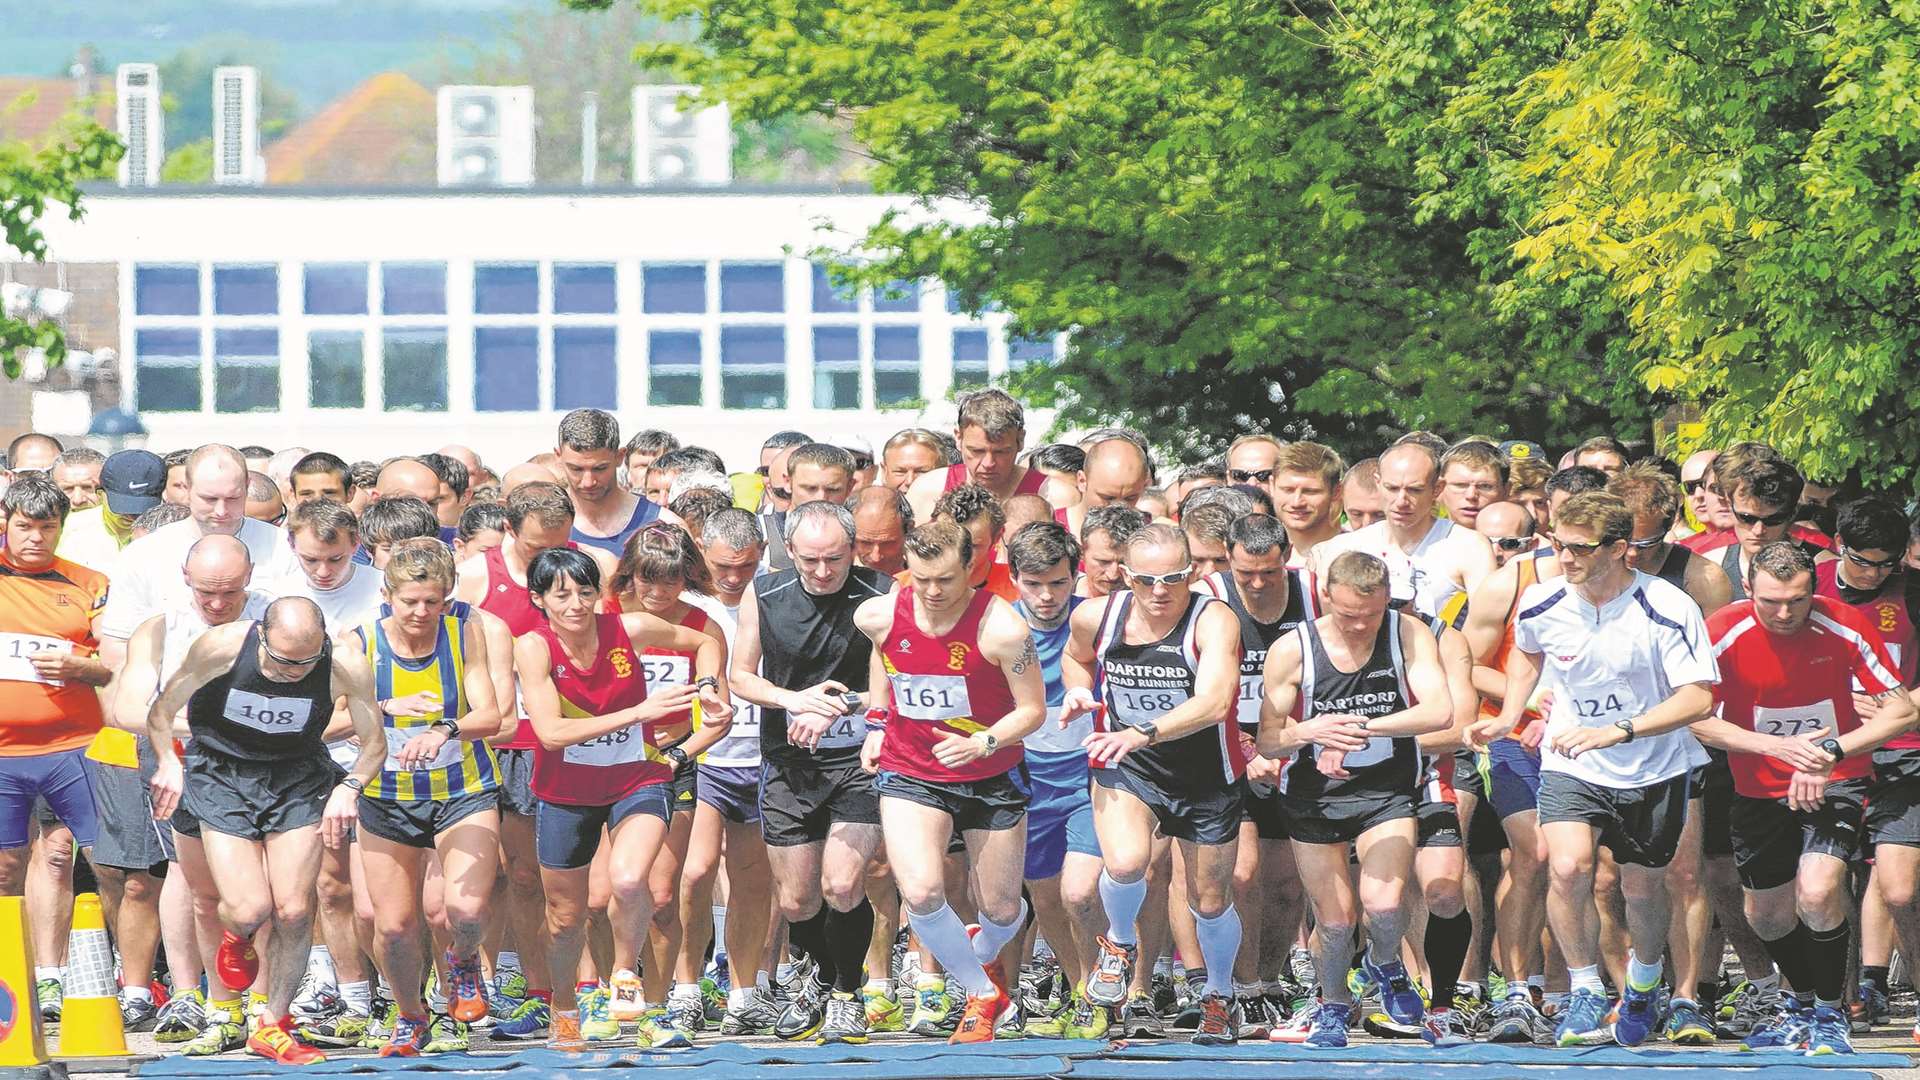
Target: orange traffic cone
pixel 22 1045
pixel 90 1014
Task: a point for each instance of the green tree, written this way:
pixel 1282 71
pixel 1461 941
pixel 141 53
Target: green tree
pixel 30 179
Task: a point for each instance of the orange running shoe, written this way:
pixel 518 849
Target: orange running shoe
pixel 976 1023
pixel 995 971
pixel 465 1001
pixel 563 1030
pixel 239 965
pixel 409 1038
pixel 275 1042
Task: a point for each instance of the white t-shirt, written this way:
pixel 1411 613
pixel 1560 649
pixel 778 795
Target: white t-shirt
pixel 740 748
pixel 1420 575
pixel 353 604
pixel 147 579
pixel 1615 663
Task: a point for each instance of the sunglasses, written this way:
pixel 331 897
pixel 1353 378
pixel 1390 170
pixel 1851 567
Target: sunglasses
pixel 1650 542
pixel 1693 486
pixel 1510 543
pixel 1250 476
pixel 290 661
pixel 861 461
pixel 1172 577
pixel 1582 550
pixel 1771 521
pixel 1858 559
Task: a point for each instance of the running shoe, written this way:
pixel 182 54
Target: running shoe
pixel 379 1025
pixel 511 982
pixel 49 992
pixel 1300 967
pixel 343 1030
pixel 1729 1002
pixel 1869 1008
pixel 981 1018
pixel 596 1025
pixel 181 1018
pixel 316 1000
pixel 1219 1021
pixel 627 998
pixel 1257 1020
pixel 1443 1028
pixel 657 1031
pixel 1086 1020
pixel 935 1013
pixel 530 1021
pixel 138 1014
pixel 465 1001
pixel 1752 1009
pixel 1138 1020
pixel 222 1034
pixel 1830 1033
pixel 1397 995
pixel 845 1021
pixel 1585 1016
pixel 883 1011
pixel 235 961
pixel 756 1017
pixel 1686 1026
pixel 1788 1030
pixel 1107 985
pixel 1636 1017
pixel 1328 1030
pixel 409 1039
pixel 802 1017
pixel 447 1036
pixel 275 1042
pixel 687 1011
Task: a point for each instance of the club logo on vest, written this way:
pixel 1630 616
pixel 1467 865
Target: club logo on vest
pixel 957 656
pixel 622 663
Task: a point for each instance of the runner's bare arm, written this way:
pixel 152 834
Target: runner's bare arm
pixel 211 656
pixel 709 649
pixel 132 690
pixel 1456 659
pixel 1432 709
pixel 542 701
pixel 1487 614
pixel 744 671
pixel 485 716
pixel 1007 640
pixel 353 690
pixel 499 671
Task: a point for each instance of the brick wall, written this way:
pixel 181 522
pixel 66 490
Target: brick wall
pixel 92 323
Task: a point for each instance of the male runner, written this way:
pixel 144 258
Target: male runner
pixel 1473 475
pixel 991 429
pixel 881 518
pixel 1362 503
pixel 956 685
pixel 1104 534
pixel 1791 664
pixel 1117 471
pixel 1253 459
pixel 1435 563
pixel 1306 496
pixel 259 697
pixel 1625 657
pixel 908 456
pixel 820 471
pixel 1762 489
pixel 1166 660
pixel 1346 697
pixel 605 514
pixel 1509 527
pixel 799 656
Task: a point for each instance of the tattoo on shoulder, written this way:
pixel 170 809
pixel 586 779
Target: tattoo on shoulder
pixel 1028 657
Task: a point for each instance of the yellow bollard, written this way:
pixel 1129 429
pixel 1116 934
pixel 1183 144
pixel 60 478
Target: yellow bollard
pixel 21 1043
pixel 90 1013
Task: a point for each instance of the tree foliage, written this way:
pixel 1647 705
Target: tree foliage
pixel 31 178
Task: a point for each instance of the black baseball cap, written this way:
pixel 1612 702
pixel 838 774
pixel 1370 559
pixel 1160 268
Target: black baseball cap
pixel 133 481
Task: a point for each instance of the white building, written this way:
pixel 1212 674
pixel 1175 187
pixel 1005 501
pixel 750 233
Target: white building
pixel 379 322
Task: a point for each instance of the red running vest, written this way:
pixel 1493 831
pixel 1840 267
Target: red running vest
pixel 942 686
pixel 1029 484
pixel 602 770
pixel 512 604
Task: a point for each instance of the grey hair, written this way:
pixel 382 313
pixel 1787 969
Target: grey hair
pixel 698 478
pixel 816 510
pixel 736 528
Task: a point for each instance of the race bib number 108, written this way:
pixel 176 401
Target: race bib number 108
pixel 271 715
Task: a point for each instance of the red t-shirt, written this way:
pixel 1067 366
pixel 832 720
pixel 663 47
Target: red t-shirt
pixel 1787 685
pixel 1711 539
pixel 605 769
pixel 942 686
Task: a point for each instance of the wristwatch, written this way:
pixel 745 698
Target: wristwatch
pixel 1626 727
pixel 705 682
pixel 987 738
pixel 451 727
pixel 1831 745
pixel 355 783
pixel 675 755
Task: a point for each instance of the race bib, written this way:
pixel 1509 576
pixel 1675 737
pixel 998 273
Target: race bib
pixel 17 651
pixel 1378 749
pixel 1598 706
pixel 397 739
pixel 1247 708
pixel 1137 707
pixel 1795 720
pixel 844 732
pixel 667 670
pixel 622 747
pixel 931 697
pixel 272 715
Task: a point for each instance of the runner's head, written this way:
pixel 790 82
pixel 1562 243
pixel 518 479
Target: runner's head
pixel 1358 592
pixel 939 555
pixel 974 509
pixel 588 446
pixel 293 638
pixel 820 536
pixel 659 563
pixel 483 527
pixel 36 511
pixel 696 504
pixel 1696 479
pixel 820 471
pixel 1117 471
pixel 1257 552
pixel 388 521
pixel 1762 489
pixel 909 455
pixel 539 518
pixel 564 583
pixel 1154 503
pixel 1409 484
pixel 418 582
pixel 77 471
pixel 641 451
pixel 773 465
pixel 1252 459
pixel 1024 510
pixel 676 470
pixel 1780 579
pixel 1206 528
pixel 1568 482
pixel 324 535
pixel 1472 475
pixel 990 430
pixel 1871 537
pixel 452 485
pixel 1603 452
pixel 1360 495
pixel 881 518
pixel 1306 486
pixel 409 476
pixel 217 488
pixel 176 489
pixel 1527 482
pixel 1042 558
pixel 1104 533
pixel 218 570
pixel 1159 569
pixel 731 544
pixel 320 475
pixel 1590 532
pixel 263 499
pixel 1654 499
pixel 1508 527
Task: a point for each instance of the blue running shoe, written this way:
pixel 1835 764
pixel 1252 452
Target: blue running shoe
pixel 1788 1030
pixel 1397 994
pixel 1329 1030
pixel 1637 1017
pixel 529 1021
pixel 1586 1014
pixel 1831 1033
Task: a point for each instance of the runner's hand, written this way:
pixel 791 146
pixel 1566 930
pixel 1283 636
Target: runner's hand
pixel 343 809
pixel 870 750
pixel 953 750
pixel 413 706
pixel 806 730
pixel 1333 764
pixel 1531 735
pixel 1076 702
pixel 1337 731
pixel 1806 791
pixel 1799 753
pixel 826 701
pixel 711 707
pixel 1485 731
pixel 667 701
pixel 165 787
pixel 1265 770
pixel 63 666
pixel 1574 740
pixel 1109 747
pixel 421 749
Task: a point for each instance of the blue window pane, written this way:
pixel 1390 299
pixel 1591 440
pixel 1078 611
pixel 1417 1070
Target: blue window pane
pixel 246 371
pixel 752 287
pixel 674 289
pixel 898 296
pixel 969 358
pixel 336 288
pixel 753 372
pixel 1029 350
pixel 506 369
pixel 246 290
pixel 167 370
pixel 336 369
pixel 166 290
pixel 673 367
pixel 414 288
pixel 584 289
pixel 413 364
pixel 896 365
pixel 506 289
pixel 826 298
pixel 836 367
pixel 585 367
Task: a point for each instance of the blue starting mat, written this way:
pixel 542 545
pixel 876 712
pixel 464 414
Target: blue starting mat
pixel 1494 1054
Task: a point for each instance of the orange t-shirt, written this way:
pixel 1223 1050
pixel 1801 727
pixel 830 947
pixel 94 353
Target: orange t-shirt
pixel 61 603
pixel 999 582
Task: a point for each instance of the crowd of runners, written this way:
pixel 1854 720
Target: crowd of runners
pixel 963 738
